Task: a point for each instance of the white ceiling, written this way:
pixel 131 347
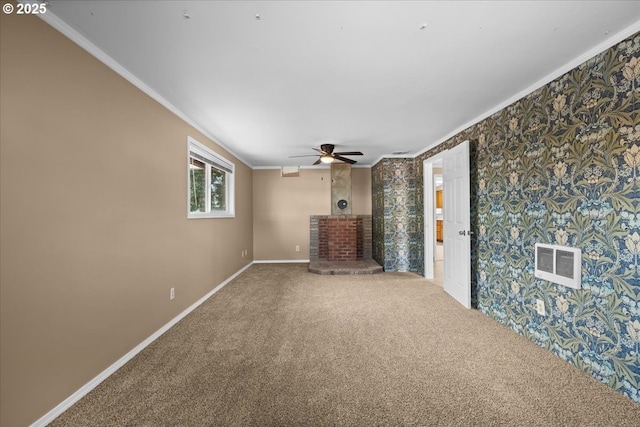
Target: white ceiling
pixel 271 79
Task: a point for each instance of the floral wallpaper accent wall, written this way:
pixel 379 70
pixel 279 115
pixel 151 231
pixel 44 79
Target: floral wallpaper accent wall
pixel 394 214
pixel 562 166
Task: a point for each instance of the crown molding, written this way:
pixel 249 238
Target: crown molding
pixel 53 20
pixel 575 62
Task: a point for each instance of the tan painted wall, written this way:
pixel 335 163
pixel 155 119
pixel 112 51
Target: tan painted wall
pixel 282 206
pixel 93 219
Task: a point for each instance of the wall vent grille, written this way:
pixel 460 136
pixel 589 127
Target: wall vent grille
pixel 559 264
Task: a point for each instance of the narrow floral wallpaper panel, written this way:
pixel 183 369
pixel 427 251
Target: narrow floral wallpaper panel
pixel 562 166
pixel 377 212
pixel 394 214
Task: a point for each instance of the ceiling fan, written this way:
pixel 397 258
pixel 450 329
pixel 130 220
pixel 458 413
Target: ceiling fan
pixel 328 156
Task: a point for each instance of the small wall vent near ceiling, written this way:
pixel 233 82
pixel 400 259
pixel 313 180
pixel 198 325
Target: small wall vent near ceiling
pixel 559 264
pixel 290 171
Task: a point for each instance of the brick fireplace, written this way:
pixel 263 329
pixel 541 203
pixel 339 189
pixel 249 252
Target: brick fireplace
pixel 340 237
pixel 341 243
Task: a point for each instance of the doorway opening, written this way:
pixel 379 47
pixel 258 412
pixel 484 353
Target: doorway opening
pixel 438 259
pixel 438 270
pixel 433 219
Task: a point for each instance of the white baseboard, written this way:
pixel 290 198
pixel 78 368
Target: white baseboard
pixel 279 261
pixel 69 401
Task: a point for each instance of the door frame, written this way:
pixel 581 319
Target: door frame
pixel 430 213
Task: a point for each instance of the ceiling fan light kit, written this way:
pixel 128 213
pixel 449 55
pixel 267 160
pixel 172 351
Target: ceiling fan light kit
pixel 325 158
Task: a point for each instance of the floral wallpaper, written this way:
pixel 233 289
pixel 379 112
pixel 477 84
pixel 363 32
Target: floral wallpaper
pixel 561 166
pixel 394 214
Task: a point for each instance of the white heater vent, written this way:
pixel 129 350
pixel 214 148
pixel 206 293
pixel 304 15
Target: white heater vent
pixel 559 264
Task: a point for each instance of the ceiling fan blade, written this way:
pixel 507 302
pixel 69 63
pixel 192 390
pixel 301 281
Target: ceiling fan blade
pixel 317 162
pixel 319 150
pixel 344 159
pixel 306 155
pixel 349 153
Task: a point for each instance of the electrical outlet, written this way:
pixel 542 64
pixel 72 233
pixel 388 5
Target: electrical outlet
pixel 242 253
pixel 172 293
pixel 540 307
pixel 297 248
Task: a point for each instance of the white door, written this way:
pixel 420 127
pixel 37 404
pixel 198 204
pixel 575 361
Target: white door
pixel 456 207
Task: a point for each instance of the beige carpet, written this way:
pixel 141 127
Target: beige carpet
pixel 280 346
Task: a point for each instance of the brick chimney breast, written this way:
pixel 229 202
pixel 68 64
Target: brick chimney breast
pixel 340 188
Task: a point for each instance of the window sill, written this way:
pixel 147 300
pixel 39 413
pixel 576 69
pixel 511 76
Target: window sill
pixel 210 215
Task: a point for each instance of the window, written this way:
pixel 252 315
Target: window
pixel 211 183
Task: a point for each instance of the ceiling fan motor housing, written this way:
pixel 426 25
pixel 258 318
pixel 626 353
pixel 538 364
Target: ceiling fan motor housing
pixel 327 148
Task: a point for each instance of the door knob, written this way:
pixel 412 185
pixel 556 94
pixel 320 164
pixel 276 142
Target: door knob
pixel 462 233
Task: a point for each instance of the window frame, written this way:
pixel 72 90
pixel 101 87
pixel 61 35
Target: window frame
pixel 211 159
